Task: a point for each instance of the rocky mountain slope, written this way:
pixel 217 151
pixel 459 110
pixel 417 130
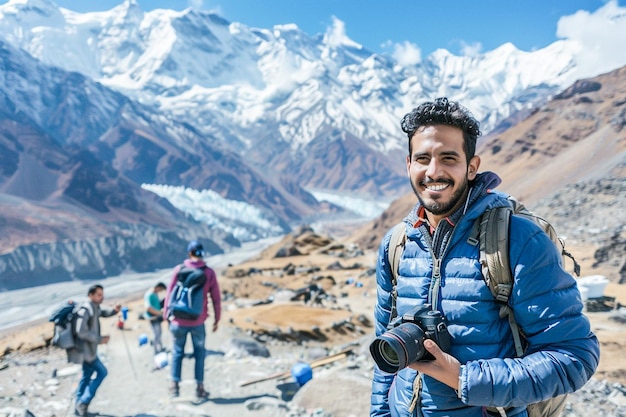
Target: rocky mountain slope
pixel 73 156
pixel 67 212
pixel 77 113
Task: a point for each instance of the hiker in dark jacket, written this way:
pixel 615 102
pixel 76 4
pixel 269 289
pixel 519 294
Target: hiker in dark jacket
pixel 440 267
pixel 180 328
pixel 85 352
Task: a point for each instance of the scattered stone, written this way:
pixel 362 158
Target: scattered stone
pixel 265 403
pixel 15 412
pixel 248 347
pixel 51 381
pixel 69 371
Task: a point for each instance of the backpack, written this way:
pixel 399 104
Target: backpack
pixel 187 298
pixel 490 233
pixel 64 319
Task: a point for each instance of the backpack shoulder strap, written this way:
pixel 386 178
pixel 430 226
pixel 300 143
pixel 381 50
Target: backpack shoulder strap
pixel 395 249
pixel 494 252
pixel 494 258
pixel 493 237
pixel 82 311
pixel 180 269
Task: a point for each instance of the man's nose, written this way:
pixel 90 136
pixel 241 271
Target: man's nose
pixel 432 171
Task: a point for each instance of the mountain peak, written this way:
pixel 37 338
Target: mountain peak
pixel 505 50
pixel 127 5
pixel 23 5
pixel 31 9
pixel 335 35
pixel 129 9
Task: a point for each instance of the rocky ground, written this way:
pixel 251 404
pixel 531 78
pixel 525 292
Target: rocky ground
pixel 266 330
pixel 590 216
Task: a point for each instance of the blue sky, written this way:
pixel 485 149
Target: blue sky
pixel 410 27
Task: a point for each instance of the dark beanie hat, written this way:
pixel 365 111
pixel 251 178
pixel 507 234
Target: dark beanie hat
pixel 195 248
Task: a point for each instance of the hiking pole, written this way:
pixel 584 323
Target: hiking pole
pixel 73 399
pixel 130 359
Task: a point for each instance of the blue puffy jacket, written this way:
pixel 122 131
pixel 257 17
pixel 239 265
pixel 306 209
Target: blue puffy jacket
pixel 562 352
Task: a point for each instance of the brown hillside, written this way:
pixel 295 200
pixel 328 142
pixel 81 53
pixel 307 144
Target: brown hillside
pixel 577 136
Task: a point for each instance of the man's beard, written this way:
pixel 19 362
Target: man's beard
pixel 438 208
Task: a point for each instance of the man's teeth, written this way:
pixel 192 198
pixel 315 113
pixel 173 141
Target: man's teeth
pixel 438 187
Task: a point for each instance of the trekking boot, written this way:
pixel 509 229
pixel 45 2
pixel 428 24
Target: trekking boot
pixel 81 409
pixel 201 394
pixel 174 390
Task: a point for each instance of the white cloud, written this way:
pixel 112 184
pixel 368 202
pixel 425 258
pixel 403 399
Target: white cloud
pixel 336 34
pixel 471 49
pixel 407 53
pixel 600 35
pixel 196 4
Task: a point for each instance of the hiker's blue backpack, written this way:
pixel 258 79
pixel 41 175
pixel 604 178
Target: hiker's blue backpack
pixel 187 297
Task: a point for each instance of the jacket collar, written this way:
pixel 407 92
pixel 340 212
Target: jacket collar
pixel 194 263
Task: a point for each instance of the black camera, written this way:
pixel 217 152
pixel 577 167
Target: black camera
pixel 403 342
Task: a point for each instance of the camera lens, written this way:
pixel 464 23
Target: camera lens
pixel 398 347
pixel 388 353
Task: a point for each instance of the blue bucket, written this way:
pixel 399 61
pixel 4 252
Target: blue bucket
pixel 143 339
pixel 302 373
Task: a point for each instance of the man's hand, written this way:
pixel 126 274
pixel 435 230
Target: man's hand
pixel 104 340
pixel 117 308
pixel 444 368
pixel 214 327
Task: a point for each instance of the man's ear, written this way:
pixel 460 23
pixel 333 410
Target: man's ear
pixel 472 167
pixel 408 165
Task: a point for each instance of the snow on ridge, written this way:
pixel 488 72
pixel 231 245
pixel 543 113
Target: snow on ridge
pixel 244 221
pixel 367 208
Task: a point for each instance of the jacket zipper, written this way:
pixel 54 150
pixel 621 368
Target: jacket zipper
pixel 435 280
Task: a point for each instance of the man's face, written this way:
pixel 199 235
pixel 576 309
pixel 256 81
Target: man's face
pixel 97 297
pixel 438 169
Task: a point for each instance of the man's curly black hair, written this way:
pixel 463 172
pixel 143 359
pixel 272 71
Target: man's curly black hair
pixel 444 112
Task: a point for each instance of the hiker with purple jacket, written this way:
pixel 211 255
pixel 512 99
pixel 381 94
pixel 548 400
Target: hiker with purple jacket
pixel 181 327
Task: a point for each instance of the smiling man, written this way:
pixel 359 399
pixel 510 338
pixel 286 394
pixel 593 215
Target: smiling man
pixel 438 169
pixel 439 271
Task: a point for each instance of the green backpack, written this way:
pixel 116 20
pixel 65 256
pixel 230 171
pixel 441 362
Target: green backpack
pixel 490 232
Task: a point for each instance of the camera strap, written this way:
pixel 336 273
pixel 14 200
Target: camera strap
pixel 396 246
pixel 417 393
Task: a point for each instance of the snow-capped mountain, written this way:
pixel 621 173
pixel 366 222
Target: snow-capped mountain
pixel 278 95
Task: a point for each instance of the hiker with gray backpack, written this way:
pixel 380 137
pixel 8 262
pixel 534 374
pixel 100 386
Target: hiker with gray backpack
pixel 186 309
pixel 475 314
pixel 86 326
